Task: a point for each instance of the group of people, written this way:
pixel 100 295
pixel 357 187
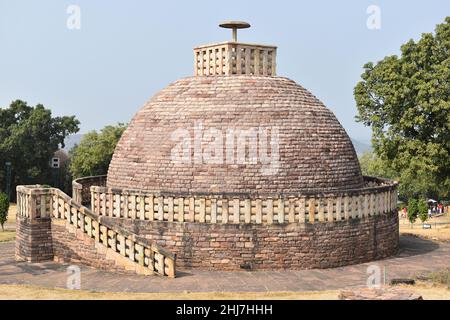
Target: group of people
pixel 434 208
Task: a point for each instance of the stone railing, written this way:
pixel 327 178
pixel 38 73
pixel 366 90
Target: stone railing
pixel 234 58
pixel 81 188
pixel 378 197
pixel 35 202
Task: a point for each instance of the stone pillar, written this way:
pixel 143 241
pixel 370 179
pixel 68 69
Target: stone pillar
pixel 33 239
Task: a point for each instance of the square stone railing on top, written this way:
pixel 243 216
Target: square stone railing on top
pixel 378 198
pixel 234 58
pixel 35 202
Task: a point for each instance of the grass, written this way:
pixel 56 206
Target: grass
pixel 441 277
pixel 21 292
pixel 7 236
pixel 10 226
pixel 437 232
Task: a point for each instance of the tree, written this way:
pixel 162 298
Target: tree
pixel 94 153
pixel 371 165
pixel 412 210
pixel 29 136
pixel 4 207
pixel 406 102
pixel 422 208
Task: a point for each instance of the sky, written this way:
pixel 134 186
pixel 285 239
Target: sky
pixel 126 51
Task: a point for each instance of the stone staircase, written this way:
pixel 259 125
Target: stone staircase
pixel 51 225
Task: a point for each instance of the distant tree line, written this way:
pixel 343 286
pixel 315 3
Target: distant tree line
pixel 29 138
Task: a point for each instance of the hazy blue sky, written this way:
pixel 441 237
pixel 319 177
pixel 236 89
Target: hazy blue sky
pixel 126 51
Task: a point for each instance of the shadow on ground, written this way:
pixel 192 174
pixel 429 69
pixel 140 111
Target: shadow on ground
pixel 412 246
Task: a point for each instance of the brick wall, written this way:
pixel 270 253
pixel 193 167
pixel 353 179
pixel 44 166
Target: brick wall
pixel 283 246
pixel 75 246
pixel 33 240
pixel 46 240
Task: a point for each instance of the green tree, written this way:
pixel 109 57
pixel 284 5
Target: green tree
pixel 422 208
pixel 371 165
pixel 413 210
pixel 29 136
pixel 4 207
pixel 406 102
pixel 94 153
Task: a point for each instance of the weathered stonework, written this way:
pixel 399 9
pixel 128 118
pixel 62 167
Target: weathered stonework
pixel 315 153
pixel 81 188
pixel 283 190
pixel 33 239
pixel 51 226
pixel 272 247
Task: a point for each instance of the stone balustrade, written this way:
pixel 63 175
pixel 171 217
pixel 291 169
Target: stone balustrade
pixel 378 197
pixel 35 203
pixel 81 188
pixel 234 58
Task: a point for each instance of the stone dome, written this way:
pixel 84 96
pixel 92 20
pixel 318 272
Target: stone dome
pixel 269 136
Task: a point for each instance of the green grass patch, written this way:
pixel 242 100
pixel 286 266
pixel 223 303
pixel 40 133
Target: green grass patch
pixel 7 236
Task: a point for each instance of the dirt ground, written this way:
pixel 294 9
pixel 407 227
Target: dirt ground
pixel 438 232
pixel 17 292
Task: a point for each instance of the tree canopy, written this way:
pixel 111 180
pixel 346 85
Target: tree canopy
pixel 405 100
pixel 94 153
pixel 29 136
pixel 371 165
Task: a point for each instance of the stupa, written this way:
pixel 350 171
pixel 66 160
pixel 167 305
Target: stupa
pixel 265 175
pixel 238 168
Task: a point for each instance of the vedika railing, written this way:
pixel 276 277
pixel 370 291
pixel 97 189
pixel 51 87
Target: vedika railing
pixel 35 202
pixel 380 196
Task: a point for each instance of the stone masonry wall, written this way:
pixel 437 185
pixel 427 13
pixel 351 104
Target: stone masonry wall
pixel 75 246
pixel 33 240
pixel 46 240
pixel 283 246
pixel 81 188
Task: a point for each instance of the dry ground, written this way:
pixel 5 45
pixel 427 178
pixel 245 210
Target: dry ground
pixel 438 232
pixel 6 236
pixel 17 292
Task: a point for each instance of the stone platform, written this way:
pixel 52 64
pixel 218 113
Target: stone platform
pixel 416 256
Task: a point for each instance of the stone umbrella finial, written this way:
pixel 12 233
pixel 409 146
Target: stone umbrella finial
pixel 234 25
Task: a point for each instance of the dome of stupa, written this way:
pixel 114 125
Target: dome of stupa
pixel 235 128
pixel 235 134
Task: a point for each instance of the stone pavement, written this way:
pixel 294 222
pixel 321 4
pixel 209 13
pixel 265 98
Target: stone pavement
pixel 416 256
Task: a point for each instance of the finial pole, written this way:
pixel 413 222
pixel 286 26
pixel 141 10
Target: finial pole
pixel 234 34
pixel 234 25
